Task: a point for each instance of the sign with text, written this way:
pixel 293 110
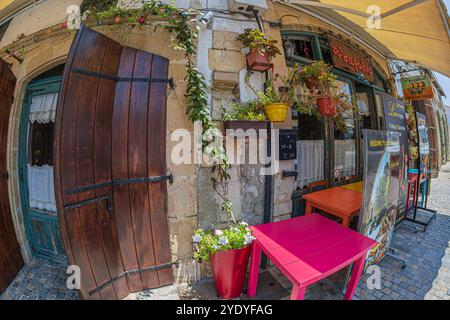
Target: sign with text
pixel 417 87
pixel 382 166
pixel 350 59
pixel 424 145
pixel 395 121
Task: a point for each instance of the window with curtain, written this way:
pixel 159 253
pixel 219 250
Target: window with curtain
pixel 40 152
pixel 345 140
pixel 310 150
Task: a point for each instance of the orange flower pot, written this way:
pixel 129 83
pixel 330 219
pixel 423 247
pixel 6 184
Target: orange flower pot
pixel 326 106
pixel 257 61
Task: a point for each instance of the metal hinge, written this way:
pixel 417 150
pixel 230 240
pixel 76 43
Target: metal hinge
pixel 120 79
pixel 109 204
pixel 131 272
pixel 116 182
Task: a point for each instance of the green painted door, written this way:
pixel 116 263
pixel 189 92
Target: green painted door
pixel 36 169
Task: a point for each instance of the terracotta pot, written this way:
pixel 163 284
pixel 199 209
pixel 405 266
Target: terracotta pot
pixel 229 268
pixel 257 61
pixel 245 124
pixel 312 83
pixel 326 106
pixel 276 112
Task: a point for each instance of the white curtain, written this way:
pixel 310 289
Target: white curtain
pixel 40 188
pixel 309 161
pixel 344 156
pixel 43 108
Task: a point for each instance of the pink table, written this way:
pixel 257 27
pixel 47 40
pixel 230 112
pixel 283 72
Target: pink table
pixel 307 249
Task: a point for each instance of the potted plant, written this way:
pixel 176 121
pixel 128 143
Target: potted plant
pixel 229 252
pixel 245 116
pixel 261 49
pixel 316 74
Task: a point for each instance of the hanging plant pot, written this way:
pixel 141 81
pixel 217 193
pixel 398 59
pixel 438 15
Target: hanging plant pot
pixel 229 268
pixel 276 112
pixel 312 82
pixel 245 124
pixel 257 61
pixel 326 106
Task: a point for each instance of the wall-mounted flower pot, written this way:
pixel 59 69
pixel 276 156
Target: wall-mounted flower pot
pixel 276 112
pixel 229 268
pixel 326 106
pixel 312 82
pixel 257 61
pixel 245 124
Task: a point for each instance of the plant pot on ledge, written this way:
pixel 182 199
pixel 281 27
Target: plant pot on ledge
pixel 257 61
pixel 312 83
pixel 229 268
pixel 276 112
pixel 326 106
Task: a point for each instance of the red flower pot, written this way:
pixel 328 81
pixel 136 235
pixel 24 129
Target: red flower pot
pixel 326 105
pixel 312 83
pixel 229 271
pixel 257 61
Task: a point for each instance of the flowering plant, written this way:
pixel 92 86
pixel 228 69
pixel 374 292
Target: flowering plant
pixel 208 242
pixel 256 39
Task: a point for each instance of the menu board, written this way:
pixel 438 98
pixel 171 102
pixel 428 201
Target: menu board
pixel 382 167
pixel 424 145
pixel 288 144
pixel 395 121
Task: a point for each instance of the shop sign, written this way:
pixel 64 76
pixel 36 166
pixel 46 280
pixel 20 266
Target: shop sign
pixel 417 87
pixel 395 120
pixel 350 59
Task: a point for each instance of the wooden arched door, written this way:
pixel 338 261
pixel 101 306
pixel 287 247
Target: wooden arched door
pixel 110 167
pixel 10 256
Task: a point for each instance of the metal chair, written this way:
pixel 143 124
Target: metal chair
pixel 318 185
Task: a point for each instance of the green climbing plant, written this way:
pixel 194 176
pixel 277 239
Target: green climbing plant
pixel 179 23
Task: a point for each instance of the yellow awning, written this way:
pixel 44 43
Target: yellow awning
pixel 411 30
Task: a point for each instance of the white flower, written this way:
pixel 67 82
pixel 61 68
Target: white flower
pixel 248 238
pixel 215 246
pixel 196 238
pixel 223 241
pixel 218 232
pixel 244 223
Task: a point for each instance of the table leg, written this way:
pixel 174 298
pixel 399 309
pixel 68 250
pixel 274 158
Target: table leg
pixel 356 274
pixel 298 293
pixel 345 221
pixel 254 267
pixel 308 208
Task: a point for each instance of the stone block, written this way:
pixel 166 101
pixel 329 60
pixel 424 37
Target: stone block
pixel 225 60
pixel 225 80
pixel 226 40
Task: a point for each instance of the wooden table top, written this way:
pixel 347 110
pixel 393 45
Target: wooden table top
pixel 336 199
pixel 311 247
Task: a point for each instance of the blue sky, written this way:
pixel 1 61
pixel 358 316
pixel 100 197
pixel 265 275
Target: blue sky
pixel 443 80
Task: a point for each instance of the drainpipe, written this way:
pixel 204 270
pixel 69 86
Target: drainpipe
pixel 268 181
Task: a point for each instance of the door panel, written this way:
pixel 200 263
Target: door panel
pixel 110 128
pixel 36 175
pixel 10 256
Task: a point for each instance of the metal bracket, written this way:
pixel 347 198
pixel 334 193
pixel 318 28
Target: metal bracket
pixel 153 179
pixel 131 272
pixel 120 79
pixel 106 198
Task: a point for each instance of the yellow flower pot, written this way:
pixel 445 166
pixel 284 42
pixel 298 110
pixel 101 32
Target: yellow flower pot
pixel 276 112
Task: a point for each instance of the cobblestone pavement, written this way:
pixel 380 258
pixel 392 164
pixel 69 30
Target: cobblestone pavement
pixel 42 280
pixel 426 276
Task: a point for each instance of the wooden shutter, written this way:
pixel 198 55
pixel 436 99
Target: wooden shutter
pixel 10 256
pixel 110 166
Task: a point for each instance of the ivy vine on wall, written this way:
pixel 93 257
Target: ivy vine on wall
pixel 180 24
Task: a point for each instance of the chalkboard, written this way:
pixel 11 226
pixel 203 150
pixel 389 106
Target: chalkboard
pixel 287 144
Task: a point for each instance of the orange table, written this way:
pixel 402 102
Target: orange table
pixel 338 201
